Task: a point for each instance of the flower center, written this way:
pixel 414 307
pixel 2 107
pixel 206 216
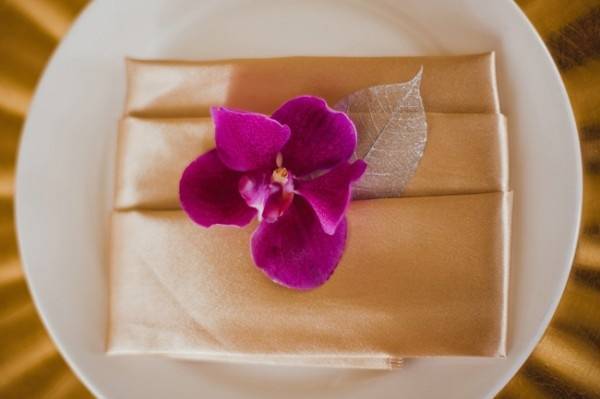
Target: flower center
pixel 271 195
pixel 280 175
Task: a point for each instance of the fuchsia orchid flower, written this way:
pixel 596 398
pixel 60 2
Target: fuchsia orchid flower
pixel 292 170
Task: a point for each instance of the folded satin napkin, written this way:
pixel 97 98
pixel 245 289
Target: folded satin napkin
pixel 424 274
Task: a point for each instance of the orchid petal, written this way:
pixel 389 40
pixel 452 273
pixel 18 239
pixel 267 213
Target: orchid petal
pixel 248 141
pixel 329 194
pixel 294 251
pixel 208 192
pixel 321 137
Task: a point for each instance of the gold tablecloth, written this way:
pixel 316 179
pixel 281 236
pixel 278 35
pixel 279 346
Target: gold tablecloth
pixel 565 363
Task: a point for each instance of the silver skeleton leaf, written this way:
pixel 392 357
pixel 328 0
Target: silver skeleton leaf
pixel 392 133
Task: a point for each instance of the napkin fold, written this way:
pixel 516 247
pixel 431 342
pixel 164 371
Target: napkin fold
pixel 423 275
pixel 417 279
pixel 465 153
pixel 177 88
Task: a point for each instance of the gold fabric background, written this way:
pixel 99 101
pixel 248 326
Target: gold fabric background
pixel 565 364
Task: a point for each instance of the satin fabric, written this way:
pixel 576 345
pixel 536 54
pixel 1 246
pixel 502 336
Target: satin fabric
pixel 465 153
pixel 175 88
pixel 420 277
pixel 424 275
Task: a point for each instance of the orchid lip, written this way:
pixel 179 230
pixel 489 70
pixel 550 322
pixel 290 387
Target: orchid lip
pixel 270 194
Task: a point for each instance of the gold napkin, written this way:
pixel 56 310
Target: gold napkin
pixel 422 275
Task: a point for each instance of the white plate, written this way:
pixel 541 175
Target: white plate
pixel 64 181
